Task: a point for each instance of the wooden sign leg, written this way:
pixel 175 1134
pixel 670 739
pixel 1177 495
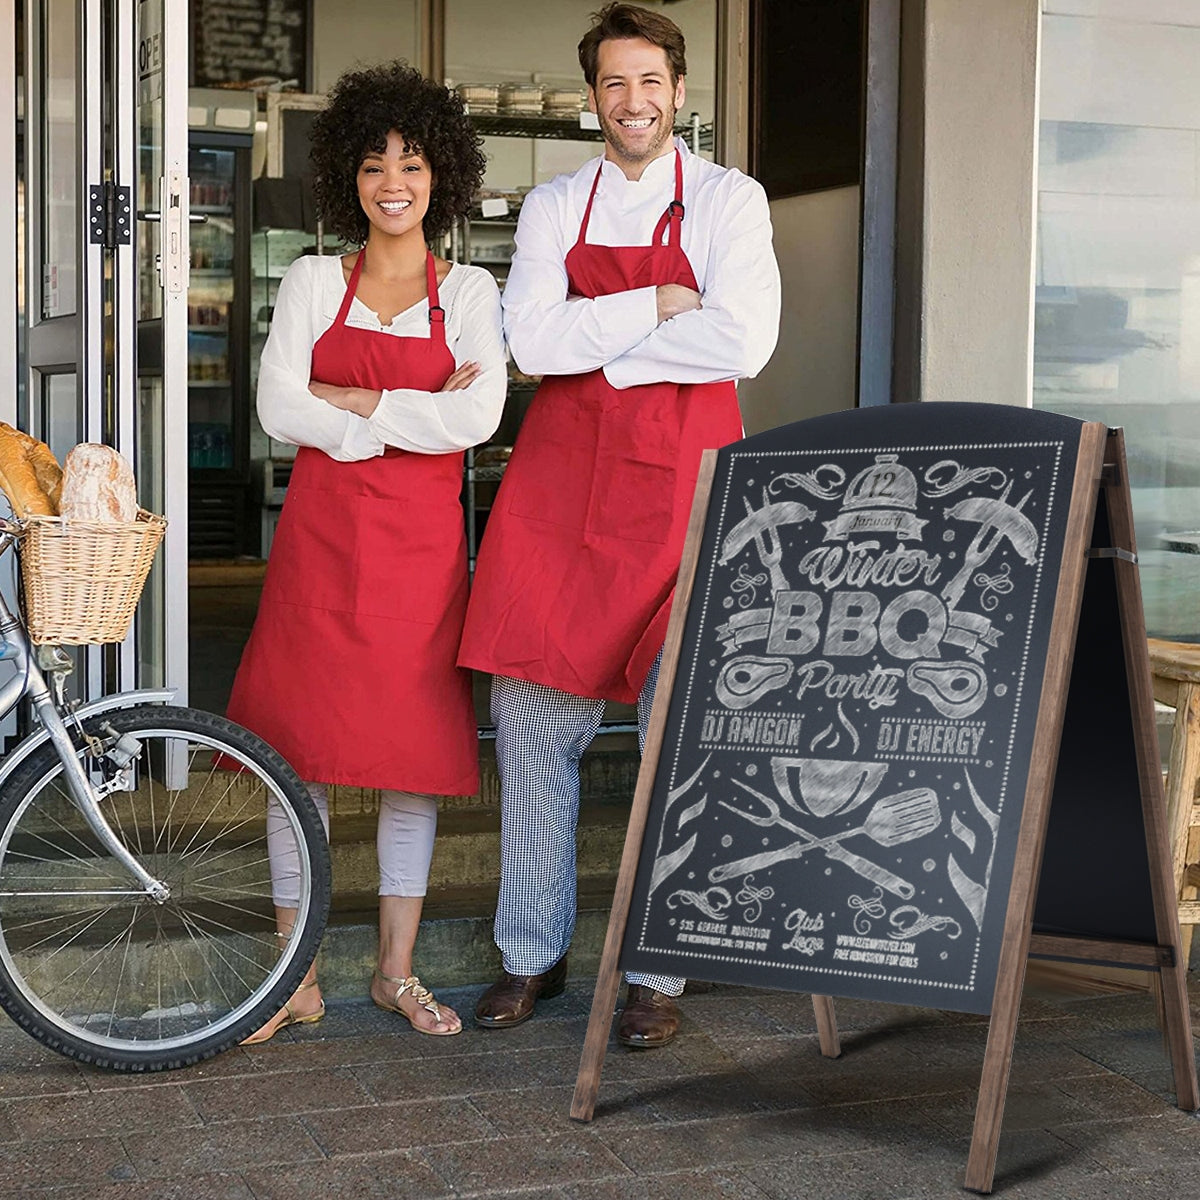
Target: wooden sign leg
pixel 993 1086
pixel 587 1082
pixel 608 983
pixel 1018 921
pixel 827 1030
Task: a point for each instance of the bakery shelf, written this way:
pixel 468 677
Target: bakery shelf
pixel 565 129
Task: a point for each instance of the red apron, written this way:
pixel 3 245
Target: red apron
pixel 574 579
pixel 349 672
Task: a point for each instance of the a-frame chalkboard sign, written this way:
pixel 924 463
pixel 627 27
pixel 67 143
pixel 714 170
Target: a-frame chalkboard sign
pixel 882 762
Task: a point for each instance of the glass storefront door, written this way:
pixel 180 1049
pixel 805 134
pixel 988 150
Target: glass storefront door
pixel 104 169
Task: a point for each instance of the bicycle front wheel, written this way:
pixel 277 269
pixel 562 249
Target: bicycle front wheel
pixel 94 967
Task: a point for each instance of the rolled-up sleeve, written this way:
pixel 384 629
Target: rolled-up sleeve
pixel 549 332
pixel 733 334
pixel 287 410
pixel 443 422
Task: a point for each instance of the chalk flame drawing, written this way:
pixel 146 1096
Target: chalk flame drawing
pixel 972 893
pixel 667 864
pixel 847 724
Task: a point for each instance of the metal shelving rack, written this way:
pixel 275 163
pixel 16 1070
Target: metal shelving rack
pixel 531 125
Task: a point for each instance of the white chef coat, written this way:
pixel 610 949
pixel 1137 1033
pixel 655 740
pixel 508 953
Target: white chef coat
pixel 726 236
pixel 307 304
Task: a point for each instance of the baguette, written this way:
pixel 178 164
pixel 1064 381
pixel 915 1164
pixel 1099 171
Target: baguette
pixel 97 485
pixel 29 474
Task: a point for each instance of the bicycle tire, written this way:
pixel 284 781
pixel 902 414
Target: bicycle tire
pixel 205 968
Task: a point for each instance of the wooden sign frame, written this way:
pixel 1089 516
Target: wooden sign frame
pixel 1100 477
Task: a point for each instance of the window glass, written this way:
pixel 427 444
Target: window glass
pixel 1117 324
pixel 60 154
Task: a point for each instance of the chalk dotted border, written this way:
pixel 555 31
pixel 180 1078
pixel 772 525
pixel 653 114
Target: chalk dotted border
pixel 1049 496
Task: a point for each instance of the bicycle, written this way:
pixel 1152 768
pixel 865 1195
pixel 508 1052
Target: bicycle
pixel 137 923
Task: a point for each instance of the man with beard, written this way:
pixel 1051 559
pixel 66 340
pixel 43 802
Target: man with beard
pixel 642 287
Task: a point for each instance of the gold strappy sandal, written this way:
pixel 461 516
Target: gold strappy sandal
pixel 422 995
pixel 271 1028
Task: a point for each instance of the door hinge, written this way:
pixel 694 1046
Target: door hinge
pixel 110 215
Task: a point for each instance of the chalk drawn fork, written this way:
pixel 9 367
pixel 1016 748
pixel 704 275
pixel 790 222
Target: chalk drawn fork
pixel 769 547
pixel 835 850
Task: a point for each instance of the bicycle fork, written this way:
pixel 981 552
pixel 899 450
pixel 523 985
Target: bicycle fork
pixel 82 791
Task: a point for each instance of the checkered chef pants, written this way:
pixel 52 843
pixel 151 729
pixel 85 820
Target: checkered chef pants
pixel 541 734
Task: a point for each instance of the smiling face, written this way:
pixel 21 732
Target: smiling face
pixel 394 188
pixel 635 101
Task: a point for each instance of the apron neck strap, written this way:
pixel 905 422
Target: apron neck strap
pixel 672 217
pixel 437 314
pixel 587 212
pixel 351 287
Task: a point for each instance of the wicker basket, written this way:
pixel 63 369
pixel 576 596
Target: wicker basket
pixel 82 579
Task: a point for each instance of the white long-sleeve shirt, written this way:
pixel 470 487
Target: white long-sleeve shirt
pixel 307 304
pixel 726 236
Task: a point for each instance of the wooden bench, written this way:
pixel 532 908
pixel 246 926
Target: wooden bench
pixel 1176 670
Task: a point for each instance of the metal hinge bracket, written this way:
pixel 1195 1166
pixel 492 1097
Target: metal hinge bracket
pixel 110 215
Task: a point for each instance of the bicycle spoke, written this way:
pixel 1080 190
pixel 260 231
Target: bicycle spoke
pixel 242 933
pixel 95 955
pixel 195 935
pixel 258 862
pixel 43 920
pixel 177 792
pixel 212 770
pixel 271 945
pixel 95 963
pixel 112 1012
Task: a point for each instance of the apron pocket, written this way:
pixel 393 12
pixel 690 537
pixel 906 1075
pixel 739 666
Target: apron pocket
pixel 633 488
pixel 550 473
pixel 396 559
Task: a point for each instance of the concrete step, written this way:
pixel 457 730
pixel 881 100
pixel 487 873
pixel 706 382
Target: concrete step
pixel 453 950
pixel 466 853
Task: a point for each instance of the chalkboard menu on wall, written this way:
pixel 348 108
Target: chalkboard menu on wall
pixel 847 748
pixel 237 40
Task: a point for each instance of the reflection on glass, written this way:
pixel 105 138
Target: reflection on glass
pixel 150 165
pixel 1117 335
pixel 151 449
pixel 60 179
pixel 210 300
pixel 62 421
pixel 62 428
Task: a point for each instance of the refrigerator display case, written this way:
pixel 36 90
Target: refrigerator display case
pixel 219 396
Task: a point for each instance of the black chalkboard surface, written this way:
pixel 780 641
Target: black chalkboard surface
pixel 850 729
pixel 237 40
pixel 903 737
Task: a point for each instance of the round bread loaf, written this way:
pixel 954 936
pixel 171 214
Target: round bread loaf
pixel 29 474
pixel 98 485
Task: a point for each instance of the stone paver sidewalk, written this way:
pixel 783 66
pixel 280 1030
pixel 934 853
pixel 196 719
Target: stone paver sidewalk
pixel 741 1105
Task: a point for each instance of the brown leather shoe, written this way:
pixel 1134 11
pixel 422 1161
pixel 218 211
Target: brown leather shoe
pixel 649 1018
pixel 510 1000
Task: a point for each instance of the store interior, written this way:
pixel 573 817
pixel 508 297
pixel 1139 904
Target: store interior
pixel 248 151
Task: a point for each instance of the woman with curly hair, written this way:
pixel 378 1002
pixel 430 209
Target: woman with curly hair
pixel 383 365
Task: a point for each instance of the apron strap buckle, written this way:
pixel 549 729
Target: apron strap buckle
pixel 441 314
pixel 675 210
